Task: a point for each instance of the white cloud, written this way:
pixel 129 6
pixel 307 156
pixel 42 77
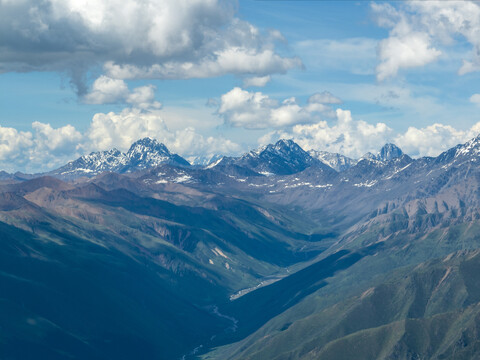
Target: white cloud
pixel 468 67
pixel 475 98
pixel 433 139
pixel 13 145
pixel 255 110
pixel 143 97
pixel 55 141
pixel 241 108
pixel 167 39
pixel 43 148
pixel 234 60
pixel 106 90
pixel 410 50
pixel 420 28
pixel 258 81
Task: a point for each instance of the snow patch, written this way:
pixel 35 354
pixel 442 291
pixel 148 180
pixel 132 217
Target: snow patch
pixel 366 183
pixel 219 252
pixel 183 178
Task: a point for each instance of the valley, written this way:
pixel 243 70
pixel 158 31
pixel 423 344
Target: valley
pixel 276 254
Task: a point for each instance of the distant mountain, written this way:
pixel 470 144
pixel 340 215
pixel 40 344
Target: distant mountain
pixel 462 153
pixel 387 152
pixel 285 157
pixel 5 176
pixel 204 160
pixel 336 161
pixel 144 153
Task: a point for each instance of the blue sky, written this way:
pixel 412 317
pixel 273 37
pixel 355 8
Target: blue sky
pixel 219 76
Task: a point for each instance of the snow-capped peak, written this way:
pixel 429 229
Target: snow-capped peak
pixel 144 153
pixel 148 145
pixel 472 147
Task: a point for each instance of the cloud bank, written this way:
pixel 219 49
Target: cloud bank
pixel 354 138
pixel 129 39
pixel 45 148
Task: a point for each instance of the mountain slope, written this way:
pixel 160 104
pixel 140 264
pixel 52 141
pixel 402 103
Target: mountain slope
pixel 64 242
pixel 269 255
pixel 72 298
pixel 337 162
pixel 430 312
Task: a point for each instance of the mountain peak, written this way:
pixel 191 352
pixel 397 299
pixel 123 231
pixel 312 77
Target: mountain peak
pixel 284 146
pixel 389 152
pixel 144 153
pixel 282 158
pixel 285 143
pixel 148 144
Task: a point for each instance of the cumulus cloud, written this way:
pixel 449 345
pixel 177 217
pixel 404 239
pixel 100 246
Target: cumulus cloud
pixel 131 39
pixel 55 141
pixel 143 97
pixel 433 139
pixel 255 110
pixel 44 147
pixel 107 91
pixel 419 29
pixel 13 147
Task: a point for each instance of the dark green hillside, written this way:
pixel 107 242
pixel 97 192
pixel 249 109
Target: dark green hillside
pixel 256 308
pixel 431 312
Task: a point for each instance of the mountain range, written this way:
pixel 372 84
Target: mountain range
pixel 282 158
pixel 280 253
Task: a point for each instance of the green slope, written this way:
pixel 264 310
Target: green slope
pixel 431 311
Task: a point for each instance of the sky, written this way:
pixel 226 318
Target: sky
pixel 212 77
